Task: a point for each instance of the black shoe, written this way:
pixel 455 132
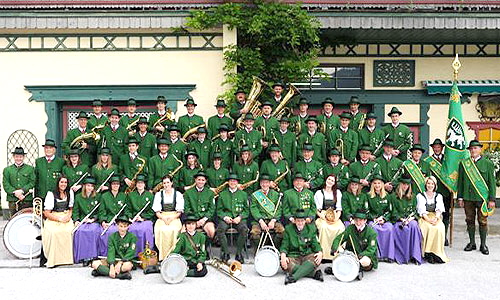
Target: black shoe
pixel 318 275
pixel 225 257
pixel 151 269
pixel 94 273
pixel 430 259
pixel 470 247
pixel 289 279
pixel 240 258
pixel 446 243
pixel 328 271
pixel 484 250
pixel 86 262
pixel 360 275
pixel 38 238
pixel 124 276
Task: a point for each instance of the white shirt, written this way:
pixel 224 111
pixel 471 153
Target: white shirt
pixel 50 200
pixel 387 157
pixel 283 132
pixel 422 200
pixel 395 125
pixel 319 199
pixel 371 129
pixel 168 199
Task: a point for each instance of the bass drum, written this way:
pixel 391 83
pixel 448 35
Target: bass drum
pixel 19 235
pixel 174 268
pixel 267 261
pixel 345 266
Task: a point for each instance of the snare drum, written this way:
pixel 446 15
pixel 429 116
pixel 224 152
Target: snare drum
pixel 345 266
pixel 19 235
pixel 174 268
pixel 267 261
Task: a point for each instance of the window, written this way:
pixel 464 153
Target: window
pixel 487 133
pixel 338 77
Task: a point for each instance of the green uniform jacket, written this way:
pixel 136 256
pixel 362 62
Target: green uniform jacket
pixel 214 123
pixel 136 202
pixel 311 171
pixel 356 119
pixel 247 173
pixel 234 110
pixel 157 168
pixel 186 249
pixel 121 248
pixel 341 171
pixel 365 242
pixel 352 203
pixel 400 136
pixel 199 204
pixel 125 120
pixel 147 144
pixel 300 243
pixel 381 207
pixel 225 148
pixel 258 212
pixel 303 126
pixel 46 175
pixel 232 205
pixel 467 191
pixel 128 168
pixel 93 121
pixel 288 145
pixel 389 168
pixel 102 174
pixel 217 177
pixel 331 122
pixel 155 117
pixel 275 170
pixel 252 139
pixel 357 169
pixel 373 139
pixel 186 122
pixel 110 205
pixel 179 149
pixel 294 200
pixel 203 150
pixel 116 141
pixel 74 174
pixel 83 206
pixel 15 178
pixel 318 141
pixel 87 155
pixel 403 207
pixel 351 140
pixel 271 125
pixel 186 176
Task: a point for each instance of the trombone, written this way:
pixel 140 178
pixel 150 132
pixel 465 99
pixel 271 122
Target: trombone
pixel 233 270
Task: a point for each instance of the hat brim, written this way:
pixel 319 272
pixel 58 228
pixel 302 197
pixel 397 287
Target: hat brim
pixel 23 153
pixel 49 146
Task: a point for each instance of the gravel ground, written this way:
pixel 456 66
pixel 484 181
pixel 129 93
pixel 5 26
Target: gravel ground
pixel 467 276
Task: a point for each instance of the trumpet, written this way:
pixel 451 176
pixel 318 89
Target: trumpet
pixel 252 104
pixel 159 186
pixel 339 144
pixel 233 270
pixel 281 110
pixel 190 134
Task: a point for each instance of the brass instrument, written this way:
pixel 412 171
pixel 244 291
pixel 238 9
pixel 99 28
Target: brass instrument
pixel 131 188
pixel 362 121
pixel 229 134
pixel 132 127
pixel 159 186
pixel 298 128
pixel 252 104
pixel 233 270
pixel 322 127
pixel 278 179
pixel 263 131
pixel 281 110
pixel 219 189
pixel 77 143
pixel 190 134
pixel 37 220
pixel 339 144
pixel 249 183
pixel 168 116
pixel 190 186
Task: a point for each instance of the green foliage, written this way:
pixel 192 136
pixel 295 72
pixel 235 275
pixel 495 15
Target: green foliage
pixel 276 41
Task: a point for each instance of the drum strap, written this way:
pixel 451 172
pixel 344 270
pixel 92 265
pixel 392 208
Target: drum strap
pixel 190 239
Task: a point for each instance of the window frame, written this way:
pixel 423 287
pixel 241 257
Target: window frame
pixel 309 85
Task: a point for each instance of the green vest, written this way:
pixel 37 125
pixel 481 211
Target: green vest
pixel 154 118
pixel 318 142
pixel 102 174
pixel 186 176
pixel 116 141
pixel 330 123
pixel 186 122
pixel 203 150
pixel 298 119
pixel 403 208
pixel 15 178
pixel 179 149
pixel 357 169
pixel 93 121
pixel 147 144
pixel 214 123
pixel 356 120
pixel 125 120
pixel 217 177
pixel 46 175
pixel 288 145
pixel 300 243
pixel 271 125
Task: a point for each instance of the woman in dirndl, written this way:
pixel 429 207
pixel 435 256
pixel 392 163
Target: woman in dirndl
pixel 86 237
pixel 407 235
pixel 381 211
pixel 329 205
pixel 168 205
pixel 56 232
pixel 430 207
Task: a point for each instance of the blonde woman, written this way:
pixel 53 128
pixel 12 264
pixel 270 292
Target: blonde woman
pixel 328 223
pixel 168 206
pixel 430 207
pixel 103 168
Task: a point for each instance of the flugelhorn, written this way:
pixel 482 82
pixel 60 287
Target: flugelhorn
pixel 253 105
pixel 281 110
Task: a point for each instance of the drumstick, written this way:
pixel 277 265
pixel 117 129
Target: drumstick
pixel 353 248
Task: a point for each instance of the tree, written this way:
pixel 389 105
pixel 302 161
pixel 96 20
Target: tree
pixel 276 41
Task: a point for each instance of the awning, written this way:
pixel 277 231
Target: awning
pixel 484 87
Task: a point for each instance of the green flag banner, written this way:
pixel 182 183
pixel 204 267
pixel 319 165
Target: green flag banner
pixel 436 168
pixel 416 174
pixel 265 202
pixel 455 145
pixel 479 184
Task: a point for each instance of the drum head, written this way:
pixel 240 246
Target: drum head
pixel 345 267
pixel 20 234
pixel 174 268
pixel 267 261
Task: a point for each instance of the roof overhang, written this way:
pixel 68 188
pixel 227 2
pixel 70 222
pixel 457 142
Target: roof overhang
pixel 483 87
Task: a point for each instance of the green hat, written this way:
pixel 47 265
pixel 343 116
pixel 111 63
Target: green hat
pixel 474 143
pixel 163 141
pixel 327 100
pixel 345 115
pixel 284 119
pixel 239 90
pixel 405 178
pixel 105 150
pixel 417 147
pixel 115 112
pixel 19 150
pixel 223 127
pixel 266 103
pixel 274 147
pixel 217 155
pixel 123 218
pixel 173 127
pixel 334 151
pixel 279 83
pixel 97 102
pixel 114 179
pixel 201 130
pixel 89 179
pixel 140 177
pixel 394 110
pixel 49 143
pixel 307 146
pixel 131 101
pixel 360 214
pixel 248 116
pixel 190 219
pixel 82 115
pixel 354 100
pixel 300 214
pixel 303 101
pixel 298 175
pixel 220 103
pixel 354 179
pixel 143 120
pixel 370 115
pixel 365 148
pixel 191 152
pixel 244 148
pixel 189 101
pixel 161 99
pixel 312 119
pixel 379 177
pixel 389 143
pixel 233 176
pixel 201 173
pixel 264 177
pixel 132 141
pixel 437 142
pixel 74 152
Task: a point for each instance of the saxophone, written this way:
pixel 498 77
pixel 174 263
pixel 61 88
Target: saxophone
pixel 220 188
pixel 159 186
pixel 132 187
pixel 77 143
pixel 281 109
pixel 252 104
pixel 249 183
pixel 280 178
pixel 168 116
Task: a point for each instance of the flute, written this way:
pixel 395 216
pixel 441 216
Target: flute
pixel 114 219
pixel 140 212
pixel 105 182
pixel 87 216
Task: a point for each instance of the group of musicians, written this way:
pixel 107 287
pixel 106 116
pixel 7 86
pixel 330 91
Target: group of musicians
pixel 321 185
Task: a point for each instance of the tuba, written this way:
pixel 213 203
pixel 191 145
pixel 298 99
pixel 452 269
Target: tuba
pixel 191 133
pixel 252 104
pixel 281 109
pixel 77 143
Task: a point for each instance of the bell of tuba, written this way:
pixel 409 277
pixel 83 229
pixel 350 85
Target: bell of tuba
pixel 252 104
pixel 192 133
pixel 281 109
